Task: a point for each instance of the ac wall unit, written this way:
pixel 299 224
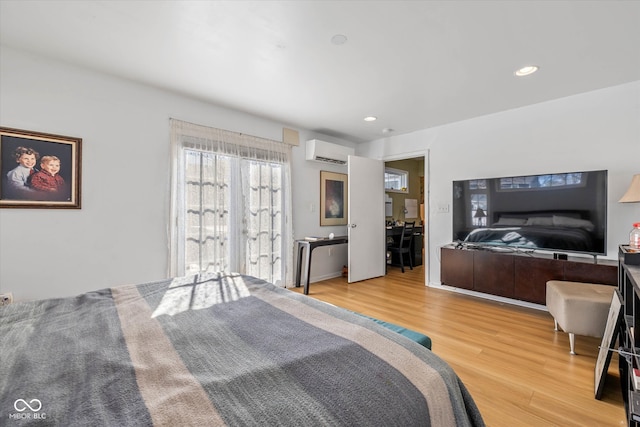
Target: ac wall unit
pixel 327 152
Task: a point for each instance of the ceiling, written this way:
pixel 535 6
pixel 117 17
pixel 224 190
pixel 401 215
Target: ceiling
pixel 412 64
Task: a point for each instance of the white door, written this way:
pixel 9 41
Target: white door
pixel 367 233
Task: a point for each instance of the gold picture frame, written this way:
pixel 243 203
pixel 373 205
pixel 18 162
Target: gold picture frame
pixel 333 198
pixel 39 170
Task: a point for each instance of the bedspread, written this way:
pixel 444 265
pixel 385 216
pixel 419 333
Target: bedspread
pixel 216 349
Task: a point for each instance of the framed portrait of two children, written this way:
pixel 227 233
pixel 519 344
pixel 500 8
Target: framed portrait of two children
pixel 39 170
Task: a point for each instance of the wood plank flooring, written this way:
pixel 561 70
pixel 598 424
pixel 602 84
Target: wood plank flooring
pixel 517 368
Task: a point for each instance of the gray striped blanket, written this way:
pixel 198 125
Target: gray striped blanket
pixel 211 350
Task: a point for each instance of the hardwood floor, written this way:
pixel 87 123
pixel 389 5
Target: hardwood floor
pixel 517 368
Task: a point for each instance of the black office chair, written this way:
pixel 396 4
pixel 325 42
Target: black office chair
pixel 403 246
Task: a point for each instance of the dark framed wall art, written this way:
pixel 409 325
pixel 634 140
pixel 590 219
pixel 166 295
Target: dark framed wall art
pixel 333 198
pixel 39 170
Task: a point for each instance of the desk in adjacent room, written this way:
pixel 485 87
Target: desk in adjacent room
pixel 416 244
pixel 311 245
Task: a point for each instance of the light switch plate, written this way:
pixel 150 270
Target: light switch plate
pixel 443 208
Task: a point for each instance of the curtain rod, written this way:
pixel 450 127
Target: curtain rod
pixel 289 136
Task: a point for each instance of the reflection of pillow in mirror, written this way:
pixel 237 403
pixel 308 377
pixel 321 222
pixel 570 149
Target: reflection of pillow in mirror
pixel 540 220
pixel 511 237
pixel 510 221
pixel 563 221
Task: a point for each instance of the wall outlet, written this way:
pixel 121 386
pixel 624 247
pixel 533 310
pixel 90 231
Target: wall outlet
pixel 6 299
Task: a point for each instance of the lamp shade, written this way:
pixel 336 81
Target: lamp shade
pixel 479 213
pixel 633 193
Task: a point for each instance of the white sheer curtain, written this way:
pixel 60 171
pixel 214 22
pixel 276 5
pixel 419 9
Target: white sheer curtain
pixel 230 204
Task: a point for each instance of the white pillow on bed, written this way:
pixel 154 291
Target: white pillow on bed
pixel 565 221
pixel 540 220
pixel 511 221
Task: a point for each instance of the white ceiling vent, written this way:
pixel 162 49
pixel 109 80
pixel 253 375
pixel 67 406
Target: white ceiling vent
pixel 322 151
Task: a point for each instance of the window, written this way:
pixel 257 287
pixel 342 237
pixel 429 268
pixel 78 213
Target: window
pixel 478 184
pixel 479 209
pixel 479 202
pixel 396 180
pixel 229 200
pixel 543 181
pixel 206 209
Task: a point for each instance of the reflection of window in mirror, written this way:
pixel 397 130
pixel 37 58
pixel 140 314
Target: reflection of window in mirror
pixel 520 183
pixel 479 202
pixel 396 180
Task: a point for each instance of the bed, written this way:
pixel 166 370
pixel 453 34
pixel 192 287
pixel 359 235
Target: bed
pixel 216 349
pixel 561 230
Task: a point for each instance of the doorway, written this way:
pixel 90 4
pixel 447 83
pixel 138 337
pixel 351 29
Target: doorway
pixel 406 198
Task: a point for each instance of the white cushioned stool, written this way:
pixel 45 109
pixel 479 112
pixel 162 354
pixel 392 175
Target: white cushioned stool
pixel 579 308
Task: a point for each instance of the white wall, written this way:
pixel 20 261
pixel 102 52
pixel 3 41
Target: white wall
pixel 306 211
pixel 120 234
pixel 590 131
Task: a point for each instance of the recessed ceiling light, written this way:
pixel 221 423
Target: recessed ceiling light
pixel 525 71
pixel 339 39
pixel 370 119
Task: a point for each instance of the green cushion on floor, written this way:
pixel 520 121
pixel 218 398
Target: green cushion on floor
pixel 421 339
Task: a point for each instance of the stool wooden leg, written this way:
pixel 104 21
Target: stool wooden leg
pixel 572 343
